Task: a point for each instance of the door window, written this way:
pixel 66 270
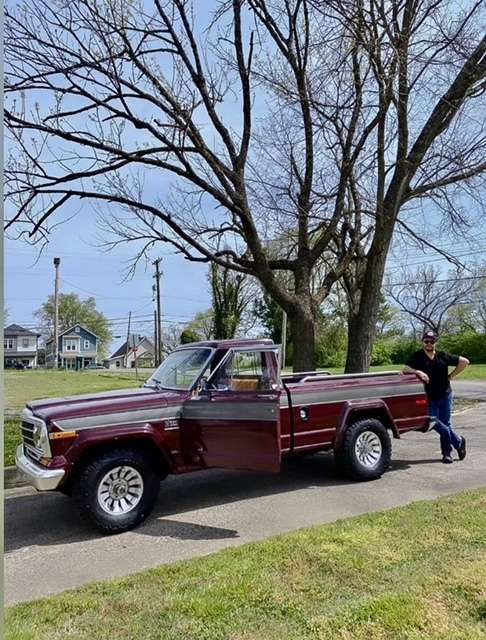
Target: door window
pixel 247 371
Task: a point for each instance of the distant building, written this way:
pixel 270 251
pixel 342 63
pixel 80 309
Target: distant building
pixel 20 346
pixel 139 348
pixel 78 348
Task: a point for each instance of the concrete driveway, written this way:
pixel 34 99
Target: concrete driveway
pixel 469 389
pixel 48 550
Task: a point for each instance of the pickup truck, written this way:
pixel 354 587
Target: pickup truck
pixel 210 404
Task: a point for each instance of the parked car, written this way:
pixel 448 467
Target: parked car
pixel 210 404
pixel 16 365
pixel 95 365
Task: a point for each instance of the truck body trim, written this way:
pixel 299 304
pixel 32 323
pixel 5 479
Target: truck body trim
pixel 124 417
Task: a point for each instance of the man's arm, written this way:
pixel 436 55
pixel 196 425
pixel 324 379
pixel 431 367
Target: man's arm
pixel 420 374
pixel 461 365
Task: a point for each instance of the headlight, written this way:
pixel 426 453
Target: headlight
pixel 40 436
pixel 37 436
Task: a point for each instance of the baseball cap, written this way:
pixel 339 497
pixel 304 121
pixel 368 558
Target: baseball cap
pixel 430 335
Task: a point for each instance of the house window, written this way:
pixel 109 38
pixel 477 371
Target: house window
pixel 25 343
pixel 76 329
pixel 70 345
pixel 86 344
pixel 8 343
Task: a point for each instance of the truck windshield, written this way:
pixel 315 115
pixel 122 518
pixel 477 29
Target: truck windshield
pixel 180 369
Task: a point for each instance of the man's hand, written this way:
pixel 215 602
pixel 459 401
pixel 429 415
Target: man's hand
pixel 423 376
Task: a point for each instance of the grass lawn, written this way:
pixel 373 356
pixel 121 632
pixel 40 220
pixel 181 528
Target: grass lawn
pixel 417 572
pixel 22 386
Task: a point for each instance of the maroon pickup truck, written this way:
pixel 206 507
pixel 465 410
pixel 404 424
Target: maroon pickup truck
pixel 210 404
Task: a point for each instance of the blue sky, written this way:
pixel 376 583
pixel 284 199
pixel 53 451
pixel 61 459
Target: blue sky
pixel 86 270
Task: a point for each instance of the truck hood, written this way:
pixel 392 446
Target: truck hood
pixel 120 405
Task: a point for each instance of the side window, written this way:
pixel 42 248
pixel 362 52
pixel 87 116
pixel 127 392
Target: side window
pixel 246 371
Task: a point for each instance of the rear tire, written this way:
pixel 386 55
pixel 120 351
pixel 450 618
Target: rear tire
pixel 117 491
pixel 365 453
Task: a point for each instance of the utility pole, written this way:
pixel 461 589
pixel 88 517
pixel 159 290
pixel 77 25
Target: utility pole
pixel 156 337
pixel 159 317
pixel 57 262
pixel 127 346
pixel 284 337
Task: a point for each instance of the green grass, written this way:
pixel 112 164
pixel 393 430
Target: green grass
pixel 22 386
pixel 417 572
pixel 12 439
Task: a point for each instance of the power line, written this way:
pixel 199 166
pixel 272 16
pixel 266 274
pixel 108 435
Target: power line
pixel 396 284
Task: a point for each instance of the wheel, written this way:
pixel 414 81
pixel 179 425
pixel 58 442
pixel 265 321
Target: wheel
pixel 118 491
pixel 365 453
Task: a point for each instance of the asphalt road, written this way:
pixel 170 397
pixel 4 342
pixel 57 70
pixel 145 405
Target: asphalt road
pixel 49 550
pixel 470 389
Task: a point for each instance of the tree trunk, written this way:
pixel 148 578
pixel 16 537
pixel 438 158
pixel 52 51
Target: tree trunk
pixel 303 339
pixel 362 325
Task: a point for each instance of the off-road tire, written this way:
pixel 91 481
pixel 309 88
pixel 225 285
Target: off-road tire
pixel 88 480
pixel 347 458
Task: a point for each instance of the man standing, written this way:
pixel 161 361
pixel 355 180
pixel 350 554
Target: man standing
pixel 431 367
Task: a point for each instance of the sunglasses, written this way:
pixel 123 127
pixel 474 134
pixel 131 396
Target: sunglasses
pixel 429 341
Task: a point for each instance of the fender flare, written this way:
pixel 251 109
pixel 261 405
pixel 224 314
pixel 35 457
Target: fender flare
pixel 116 435
pixel 351 407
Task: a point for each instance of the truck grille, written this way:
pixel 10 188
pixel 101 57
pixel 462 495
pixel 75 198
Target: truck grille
pixel 30 449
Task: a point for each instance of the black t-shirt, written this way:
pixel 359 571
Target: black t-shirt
pixel 437 370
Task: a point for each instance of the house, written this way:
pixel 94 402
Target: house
pixel 20 346
pixel 78 348
pixel 139 348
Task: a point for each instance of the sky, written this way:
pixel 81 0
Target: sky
pixel 88 271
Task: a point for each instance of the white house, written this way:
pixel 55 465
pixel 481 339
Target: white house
pixel 139 348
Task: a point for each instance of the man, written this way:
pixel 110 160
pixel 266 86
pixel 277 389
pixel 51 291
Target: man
pixel 432 367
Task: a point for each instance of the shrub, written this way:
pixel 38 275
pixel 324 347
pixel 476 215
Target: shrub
pixel 382 352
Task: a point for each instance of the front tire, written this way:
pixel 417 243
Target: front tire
pixel 117 492
pixel 365 453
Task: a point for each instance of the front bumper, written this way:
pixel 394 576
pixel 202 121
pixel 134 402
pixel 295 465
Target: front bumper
pixel 39 477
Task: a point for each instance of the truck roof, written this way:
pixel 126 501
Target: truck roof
pixel 227 344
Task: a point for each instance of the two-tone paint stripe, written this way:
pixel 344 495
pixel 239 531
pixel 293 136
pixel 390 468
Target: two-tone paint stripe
pixel 135 416
pixel 320 396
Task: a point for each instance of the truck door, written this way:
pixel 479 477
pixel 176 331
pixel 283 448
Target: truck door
pixel 235 422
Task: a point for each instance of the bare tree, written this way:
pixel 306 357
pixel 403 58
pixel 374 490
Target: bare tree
pixel 428 299
pixel 105 98
pixel 128 86
pixel 416 132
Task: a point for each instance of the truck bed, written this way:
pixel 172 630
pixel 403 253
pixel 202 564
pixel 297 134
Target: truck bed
pixel 314 405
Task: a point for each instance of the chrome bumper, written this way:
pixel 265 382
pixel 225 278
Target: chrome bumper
pixel 39 477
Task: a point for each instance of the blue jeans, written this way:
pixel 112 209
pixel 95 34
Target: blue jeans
pixel 441 410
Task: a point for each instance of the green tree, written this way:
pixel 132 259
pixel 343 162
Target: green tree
pixel 231 296
pixel 73 310
pixel 201 326
pixel 188 336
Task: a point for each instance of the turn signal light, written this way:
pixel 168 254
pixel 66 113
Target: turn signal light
pixel 421 403
pixel 61 435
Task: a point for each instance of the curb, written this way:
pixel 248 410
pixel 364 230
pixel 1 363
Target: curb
pixel 13 477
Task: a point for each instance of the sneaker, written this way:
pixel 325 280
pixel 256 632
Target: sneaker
pixel 447 460
pixel 461 450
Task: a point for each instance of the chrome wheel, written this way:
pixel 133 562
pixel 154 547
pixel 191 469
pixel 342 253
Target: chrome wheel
pixel 368 448
pixel 120 490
